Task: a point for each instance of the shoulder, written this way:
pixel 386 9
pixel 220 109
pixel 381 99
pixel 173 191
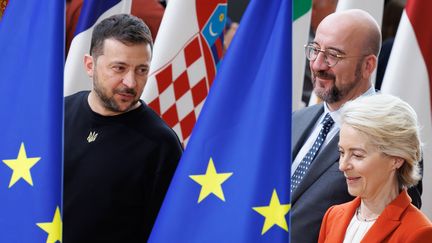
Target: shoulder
pixel 156 128
pixel 415 226
pixel 413 217
pixel 74 103
pixel 341 213
pixel 335 221
pixel 308 111
pixel 421 234
pixel 76 98
pixel 335 211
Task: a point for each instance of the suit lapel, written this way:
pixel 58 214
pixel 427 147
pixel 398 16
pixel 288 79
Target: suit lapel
pixel 304 121
pixel 389 219
pixel 324 159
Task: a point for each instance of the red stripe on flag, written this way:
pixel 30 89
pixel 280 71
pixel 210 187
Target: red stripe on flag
pixel 192 52
pixel 181 85
pixel 418 12
pixel 171 116
pixel 187 124
pixel 155 105
pixel 219 47
pixel 164 78
pixel 199 92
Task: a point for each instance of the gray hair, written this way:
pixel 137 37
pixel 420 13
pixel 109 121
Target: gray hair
pixel 391 124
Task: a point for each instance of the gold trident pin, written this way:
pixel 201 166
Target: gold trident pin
pixel 92 137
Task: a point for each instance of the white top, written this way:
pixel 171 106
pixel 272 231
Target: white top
pixel 357 229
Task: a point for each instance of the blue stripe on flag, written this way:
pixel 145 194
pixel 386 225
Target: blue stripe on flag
pixel 90 12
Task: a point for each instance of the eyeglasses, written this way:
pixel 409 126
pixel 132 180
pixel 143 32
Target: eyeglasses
pixel 331 57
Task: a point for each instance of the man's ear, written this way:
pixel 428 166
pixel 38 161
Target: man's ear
pixel 89 65
pixel 369 65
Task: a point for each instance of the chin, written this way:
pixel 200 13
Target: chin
pixel 353 192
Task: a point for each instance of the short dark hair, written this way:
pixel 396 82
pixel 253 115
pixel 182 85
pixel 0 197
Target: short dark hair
pixel 125 28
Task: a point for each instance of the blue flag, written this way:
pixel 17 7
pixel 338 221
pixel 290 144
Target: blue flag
pixel 31 82
pixel 233 181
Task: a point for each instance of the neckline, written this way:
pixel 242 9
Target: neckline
pixel 361 219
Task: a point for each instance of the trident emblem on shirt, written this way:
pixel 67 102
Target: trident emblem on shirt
pixel 92 137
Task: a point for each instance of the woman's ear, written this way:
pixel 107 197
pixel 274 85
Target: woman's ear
pixel 398 162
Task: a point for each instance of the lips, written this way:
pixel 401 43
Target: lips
pixel 126 94
pixel 352 179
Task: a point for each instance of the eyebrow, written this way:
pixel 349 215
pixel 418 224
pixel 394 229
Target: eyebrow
pixel 125 64
pixel 341 52
pixel 117 63
pixel 354 149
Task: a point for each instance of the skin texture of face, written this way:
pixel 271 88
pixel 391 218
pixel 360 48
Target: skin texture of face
pixel 350 77
pixel 370 174
pixel 119 75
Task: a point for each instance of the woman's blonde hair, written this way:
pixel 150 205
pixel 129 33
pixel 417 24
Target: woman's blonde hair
pixel 391 124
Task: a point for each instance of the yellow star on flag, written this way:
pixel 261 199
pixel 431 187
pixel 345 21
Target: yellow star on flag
pixel 21 166
pixel 274 213
pixel 54 228
pixel 211 182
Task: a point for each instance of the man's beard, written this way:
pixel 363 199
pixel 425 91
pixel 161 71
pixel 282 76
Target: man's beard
pixel 335 93
pixel 109 102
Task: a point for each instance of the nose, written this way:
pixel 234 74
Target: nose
pixel 129 79
pixel 343 164
pixel 319 64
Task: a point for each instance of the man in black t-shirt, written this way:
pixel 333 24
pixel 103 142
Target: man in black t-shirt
pixel 119 156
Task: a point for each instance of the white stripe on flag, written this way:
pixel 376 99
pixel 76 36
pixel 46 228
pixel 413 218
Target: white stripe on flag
pixel 300 37
pixel 407 77
pixel 75 76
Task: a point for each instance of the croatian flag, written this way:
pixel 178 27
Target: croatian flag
pixel 185 58
pixel 92 12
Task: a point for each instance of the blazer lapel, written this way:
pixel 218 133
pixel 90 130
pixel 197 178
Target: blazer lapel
pixel 342 219
pixel 389 219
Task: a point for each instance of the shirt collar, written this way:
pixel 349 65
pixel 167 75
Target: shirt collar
pixel 335 115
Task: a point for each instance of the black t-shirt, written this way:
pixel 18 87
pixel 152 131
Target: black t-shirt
pixel 116 172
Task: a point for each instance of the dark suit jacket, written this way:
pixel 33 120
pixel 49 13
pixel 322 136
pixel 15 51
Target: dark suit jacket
pixel 323 185
pixel 399 222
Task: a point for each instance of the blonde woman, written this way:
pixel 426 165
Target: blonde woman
pixel 379 150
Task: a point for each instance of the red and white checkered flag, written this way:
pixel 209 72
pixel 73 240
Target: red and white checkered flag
pixel 186 52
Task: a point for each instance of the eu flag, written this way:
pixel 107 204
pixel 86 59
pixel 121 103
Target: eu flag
pixel 31 82
pixel 232 183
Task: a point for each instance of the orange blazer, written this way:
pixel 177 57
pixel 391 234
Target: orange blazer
pixel 399 222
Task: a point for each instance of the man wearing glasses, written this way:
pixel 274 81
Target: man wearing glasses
pixel 342 58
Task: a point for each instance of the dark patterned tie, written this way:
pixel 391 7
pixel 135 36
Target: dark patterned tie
pixel 307 160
